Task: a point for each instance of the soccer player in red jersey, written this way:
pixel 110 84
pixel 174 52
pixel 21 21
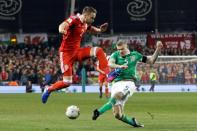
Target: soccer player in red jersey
pixel 102 80
pixel 70 51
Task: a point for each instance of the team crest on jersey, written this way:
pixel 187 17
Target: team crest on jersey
pixel 69 20
pixel 132 58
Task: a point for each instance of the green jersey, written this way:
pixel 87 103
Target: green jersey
pixel 131 61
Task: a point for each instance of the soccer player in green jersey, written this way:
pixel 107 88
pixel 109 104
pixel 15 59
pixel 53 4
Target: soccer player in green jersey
pixel 123 86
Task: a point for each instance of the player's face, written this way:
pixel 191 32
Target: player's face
pixel 90 18
pixel 122 49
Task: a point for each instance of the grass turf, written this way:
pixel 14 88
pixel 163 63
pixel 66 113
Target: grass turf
pixel 157 111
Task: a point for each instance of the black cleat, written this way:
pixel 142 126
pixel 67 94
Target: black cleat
pixel 136 124
pixel 95 114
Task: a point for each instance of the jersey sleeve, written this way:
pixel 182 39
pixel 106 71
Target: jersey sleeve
pixel 71 20
pixel 138 55
pixel 113 56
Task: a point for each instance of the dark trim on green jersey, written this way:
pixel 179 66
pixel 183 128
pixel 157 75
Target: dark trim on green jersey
pixel 144 59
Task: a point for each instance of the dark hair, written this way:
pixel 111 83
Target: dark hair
pixel 89 9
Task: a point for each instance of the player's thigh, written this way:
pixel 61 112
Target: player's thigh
pixel 125 87
pixel 83 53
pixel 66 65
pixel 121 91
pixel 101 78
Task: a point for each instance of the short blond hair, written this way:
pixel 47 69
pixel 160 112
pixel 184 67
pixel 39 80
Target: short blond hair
pixel 121 42
pixel 89 9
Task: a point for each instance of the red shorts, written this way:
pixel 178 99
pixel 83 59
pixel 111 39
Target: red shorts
pixel 67 59
pixel 102 78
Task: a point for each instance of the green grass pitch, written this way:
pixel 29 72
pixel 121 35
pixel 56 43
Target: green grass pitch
pixel 157 111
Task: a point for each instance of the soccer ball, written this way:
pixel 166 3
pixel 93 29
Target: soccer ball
pixel 72 112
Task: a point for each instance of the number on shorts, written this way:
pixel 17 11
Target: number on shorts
pixel 127 92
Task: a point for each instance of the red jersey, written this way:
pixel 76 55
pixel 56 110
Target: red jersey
pixel 72 39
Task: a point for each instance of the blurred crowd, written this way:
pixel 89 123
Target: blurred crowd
pixel 20 64
pixel 39 64
pixel 169 73
pixel 145 50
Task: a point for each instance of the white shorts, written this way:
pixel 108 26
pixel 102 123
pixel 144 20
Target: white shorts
pixel 125 87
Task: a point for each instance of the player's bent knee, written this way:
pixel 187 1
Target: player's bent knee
pixel 117 111
pixel 97 50
pixel 118 116
pixel 119 95
pixel 67 79
pixel 68 84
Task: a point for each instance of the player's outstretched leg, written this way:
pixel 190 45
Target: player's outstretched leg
pixel 57 86
pixel 104 108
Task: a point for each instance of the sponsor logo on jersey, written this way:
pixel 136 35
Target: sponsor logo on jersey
pixel 69 20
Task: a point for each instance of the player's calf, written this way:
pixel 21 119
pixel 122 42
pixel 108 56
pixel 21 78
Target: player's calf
pixel 118 116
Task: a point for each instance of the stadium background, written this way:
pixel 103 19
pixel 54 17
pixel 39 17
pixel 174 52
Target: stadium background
pixel 29 39
pixel 29 42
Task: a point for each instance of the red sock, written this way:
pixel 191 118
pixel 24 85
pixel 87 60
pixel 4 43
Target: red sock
pixel 58 85
pixel 106 92
pixel 103 63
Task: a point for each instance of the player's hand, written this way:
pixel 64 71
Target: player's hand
pixel 123 66
pixel 104 27
pixel 103 72
pixel 159 45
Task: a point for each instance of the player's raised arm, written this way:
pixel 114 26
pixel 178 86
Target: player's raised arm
pixel 63 27
pixel 95 30
pixel 153 58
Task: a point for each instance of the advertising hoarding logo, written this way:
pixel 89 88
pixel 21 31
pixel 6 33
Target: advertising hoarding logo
pixel 10 7
pixel 139 8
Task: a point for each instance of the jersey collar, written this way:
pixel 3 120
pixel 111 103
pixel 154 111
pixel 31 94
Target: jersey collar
pixel 80 17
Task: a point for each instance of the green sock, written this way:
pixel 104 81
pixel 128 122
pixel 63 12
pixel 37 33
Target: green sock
pixel 107 106
pixel 127 120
